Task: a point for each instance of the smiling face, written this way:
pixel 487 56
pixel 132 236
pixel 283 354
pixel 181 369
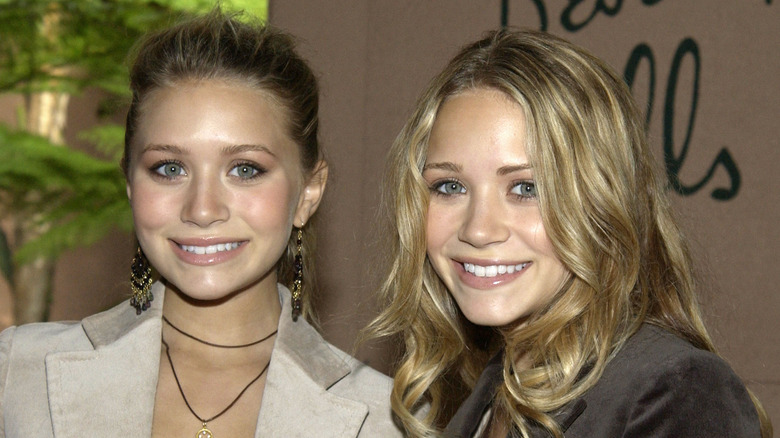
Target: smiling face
pixel 485 236
pixel 215 184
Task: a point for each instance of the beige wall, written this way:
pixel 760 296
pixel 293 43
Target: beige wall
pixel 375 56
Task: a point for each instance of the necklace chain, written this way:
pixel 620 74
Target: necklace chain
pixel 211 344
pixel 184 397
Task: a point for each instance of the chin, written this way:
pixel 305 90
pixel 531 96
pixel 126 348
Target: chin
pixel 490 317
pixel 490 320
pixel 204 291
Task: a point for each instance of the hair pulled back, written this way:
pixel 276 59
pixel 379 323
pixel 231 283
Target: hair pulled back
pixel 221 47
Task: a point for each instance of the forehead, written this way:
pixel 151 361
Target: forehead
pixel 216 111
pixel 482 123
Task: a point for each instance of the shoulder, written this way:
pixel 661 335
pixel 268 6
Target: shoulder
pixel 655 355
pixel 33 341
pixel 23 349
pixel 372 388
pixel 363 381
pixel 661 385
pixel 23 352
pixel 329 380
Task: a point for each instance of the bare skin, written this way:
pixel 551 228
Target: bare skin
pixel 216 187
pixel 212 377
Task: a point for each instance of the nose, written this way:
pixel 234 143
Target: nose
pixel 485 222
pixel 205 203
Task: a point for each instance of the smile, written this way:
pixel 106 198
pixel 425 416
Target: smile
pixel 211 249
pixel 492 270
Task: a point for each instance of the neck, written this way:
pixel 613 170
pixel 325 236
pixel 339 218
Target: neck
pixel 239 319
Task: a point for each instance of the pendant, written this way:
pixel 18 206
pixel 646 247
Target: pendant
pixel 204 432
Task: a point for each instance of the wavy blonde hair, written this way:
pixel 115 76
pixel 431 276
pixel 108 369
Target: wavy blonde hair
pixel 605 211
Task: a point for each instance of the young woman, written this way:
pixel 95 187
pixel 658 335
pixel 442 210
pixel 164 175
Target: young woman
pixel 223 175
pixel 538 277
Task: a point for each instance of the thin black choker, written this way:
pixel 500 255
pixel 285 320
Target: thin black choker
pixel 213 344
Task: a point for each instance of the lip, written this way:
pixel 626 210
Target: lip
pixel 485 282
pixel 215 250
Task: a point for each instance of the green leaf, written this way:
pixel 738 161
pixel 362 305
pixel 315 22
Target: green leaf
pixel 68 46
pixel 82 230
pixel 257 8
pixel 108 139
pixel 79 198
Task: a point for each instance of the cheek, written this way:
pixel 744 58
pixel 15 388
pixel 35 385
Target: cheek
pixel 151 208
pixel 533 228
pixel 557 271
pixel 274 205
pixel 540 238
pixel 435 229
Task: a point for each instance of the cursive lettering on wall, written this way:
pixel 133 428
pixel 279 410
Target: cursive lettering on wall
pixel 578 14
pixel 673 160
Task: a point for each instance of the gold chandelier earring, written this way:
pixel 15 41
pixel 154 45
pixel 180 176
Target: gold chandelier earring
pixel 297 285
pixel 141 282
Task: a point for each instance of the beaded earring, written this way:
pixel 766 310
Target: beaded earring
pixel 141 282
pixel 297 285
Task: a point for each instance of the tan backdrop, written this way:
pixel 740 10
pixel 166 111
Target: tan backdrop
pixel 375 57
pixel 708 68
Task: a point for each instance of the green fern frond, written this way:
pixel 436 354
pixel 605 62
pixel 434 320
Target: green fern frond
pixel 108 139
pixel 78 197
pixel 81 230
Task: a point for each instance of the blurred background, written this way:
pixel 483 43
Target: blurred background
pixel 706 73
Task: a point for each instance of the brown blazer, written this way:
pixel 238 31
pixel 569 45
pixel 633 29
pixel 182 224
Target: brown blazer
pixel 98 378
pixel 657 385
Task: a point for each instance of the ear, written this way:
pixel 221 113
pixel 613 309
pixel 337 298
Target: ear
pixel 129 190
pixel 312 193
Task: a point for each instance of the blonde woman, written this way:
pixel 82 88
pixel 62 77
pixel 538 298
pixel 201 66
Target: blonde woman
pixel 538 277
pixel 224 174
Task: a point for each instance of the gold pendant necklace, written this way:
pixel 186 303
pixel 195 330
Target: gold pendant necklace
pixel 204 431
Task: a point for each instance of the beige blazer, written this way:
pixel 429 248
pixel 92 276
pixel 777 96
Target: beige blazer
pixel 97 378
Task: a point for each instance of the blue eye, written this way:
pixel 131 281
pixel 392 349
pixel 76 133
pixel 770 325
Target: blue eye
pixel 525 189
pixel 245 171
pixel 449 188
pixel 169 169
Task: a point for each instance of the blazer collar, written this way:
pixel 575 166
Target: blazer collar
pixel 296 398
pixel 115 382
pixel 474 411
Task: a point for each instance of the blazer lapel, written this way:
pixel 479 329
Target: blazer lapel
pixel 109 390
pixel 296 401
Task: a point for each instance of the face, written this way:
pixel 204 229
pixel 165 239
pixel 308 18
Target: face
pixel 215 184
pixel 485 235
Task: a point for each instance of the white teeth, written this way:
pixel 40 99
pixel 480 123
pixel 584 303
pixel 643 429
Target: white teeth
pixel 492 270
pixel 211 249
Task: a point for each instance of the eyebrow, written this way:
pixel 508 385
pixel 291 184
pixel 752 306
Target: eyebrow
pixel 506 170
pixel 241 148
pixel 163 148
pixel 446 165
pixel 452 167
pixel 227 150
